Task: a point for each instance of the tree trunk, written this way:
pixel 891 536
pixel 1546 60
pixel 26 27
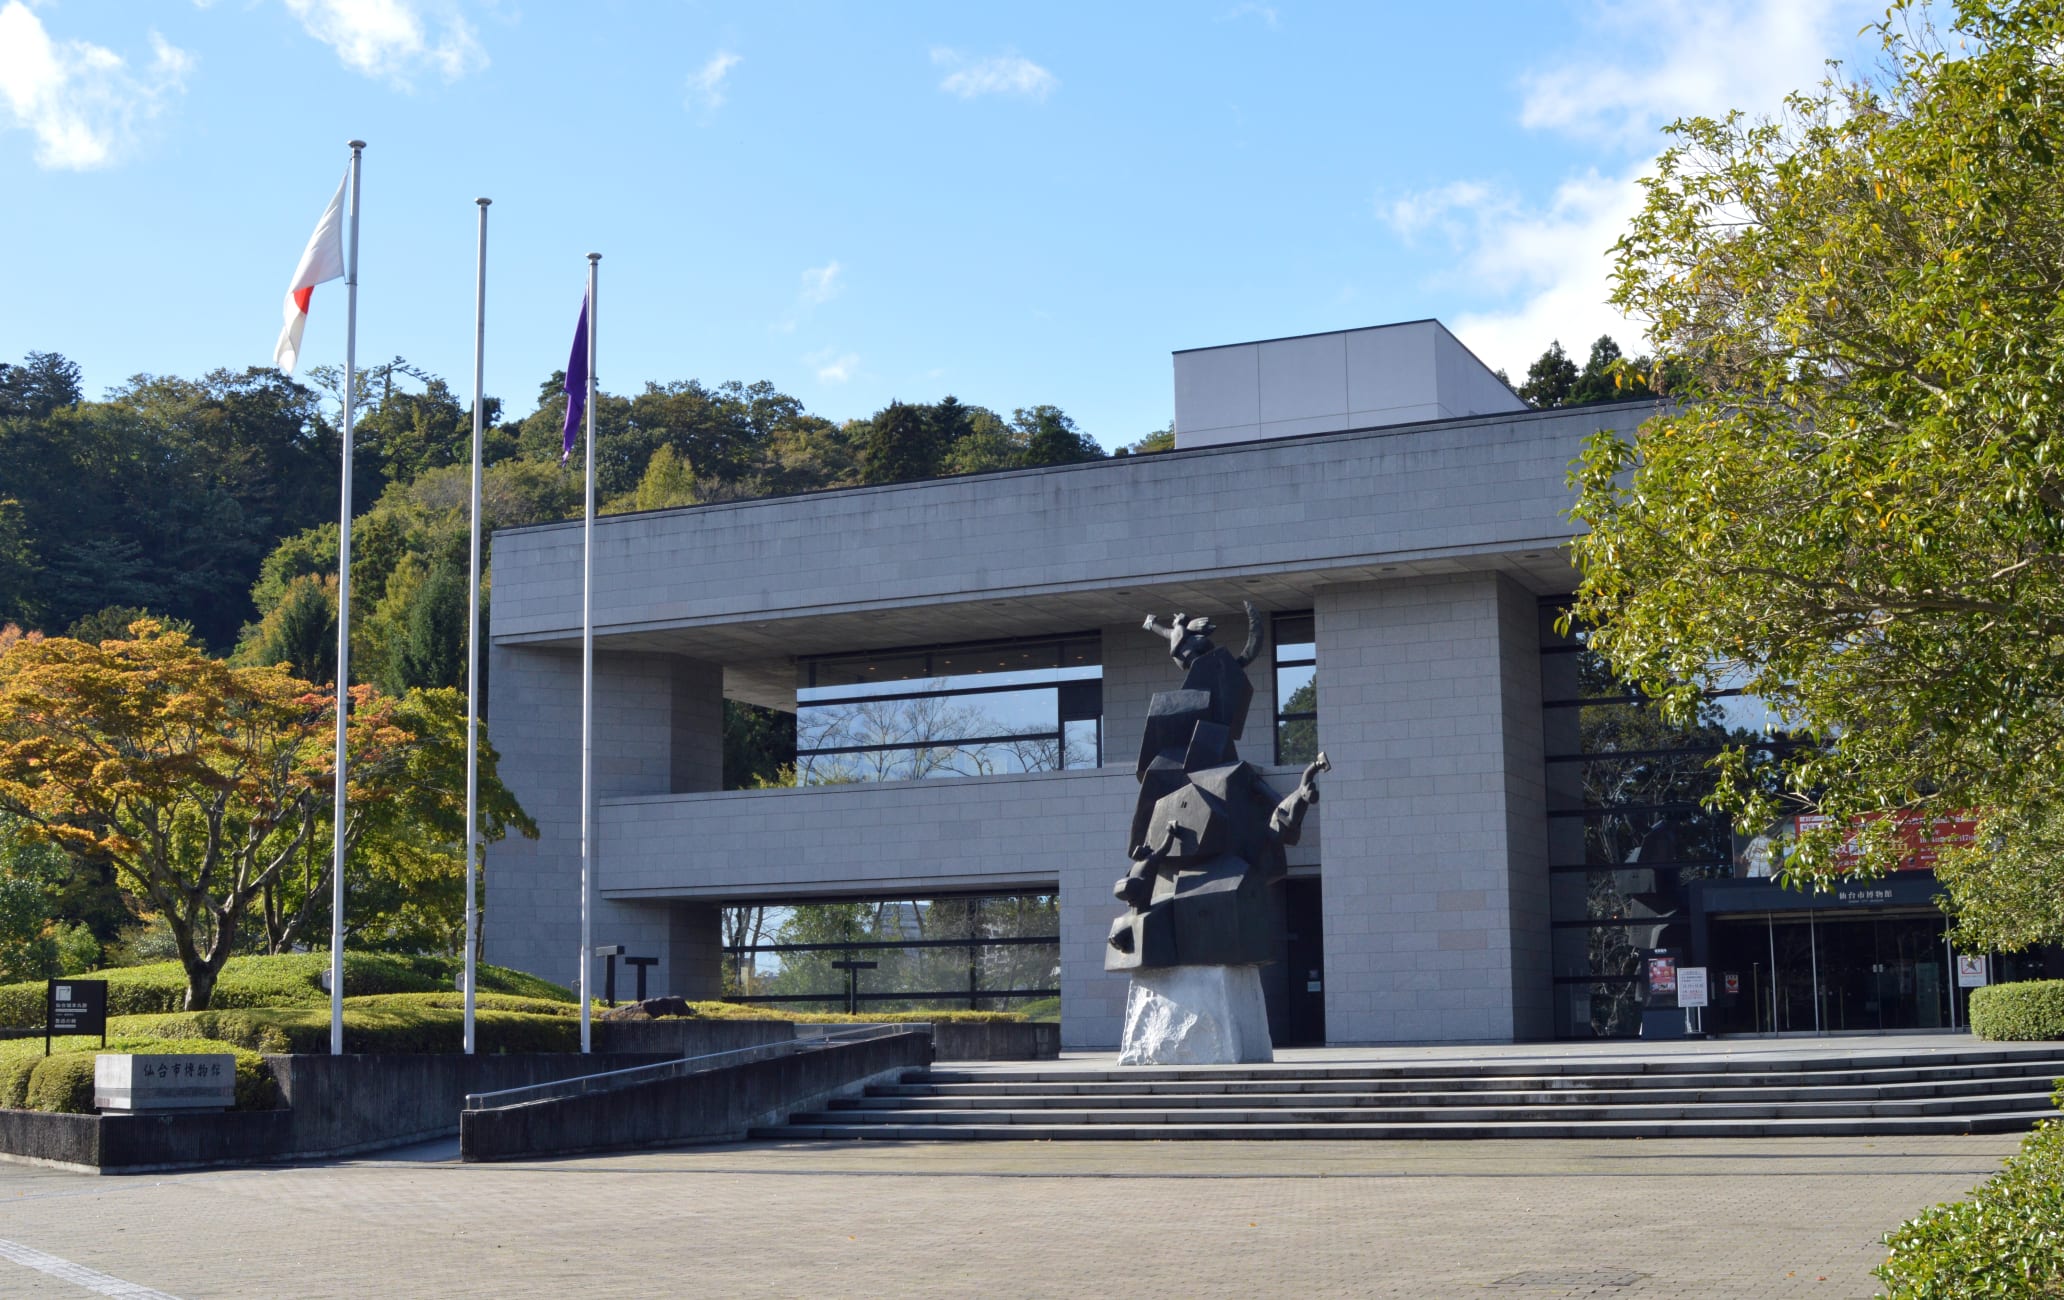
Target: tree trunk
pixel 200 986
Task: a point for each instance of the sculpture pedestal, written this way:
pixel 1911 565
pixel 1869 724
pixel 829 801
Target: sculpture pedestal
pixel 1195 1015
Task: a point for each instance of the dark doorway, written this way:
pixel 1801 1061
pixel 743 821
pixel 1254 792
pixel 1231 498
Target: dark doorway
pixel 1821 974
pixel 1304 1024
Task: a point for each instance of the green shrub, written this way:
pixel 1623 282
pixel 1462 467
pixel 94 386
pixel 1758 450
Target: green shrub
pixel 291 979
pixel 63 1081
pixel 457 1002
pixel 246 1029
pixel 2005 1239
pixel 401 1029
pixel 2030 1010
pixel 14 1079
pixel 774 1011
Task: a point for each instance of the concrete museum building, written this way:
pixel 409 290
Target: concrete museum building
pixel 1493 857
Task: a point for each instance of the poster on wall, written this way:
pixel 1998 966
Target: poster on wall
pixel 1662 977
pixel 1971 972
pixel 1922 835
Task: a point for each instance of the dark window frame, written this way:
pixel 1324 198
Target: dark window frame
pixel 1276 665
pixel 1069 695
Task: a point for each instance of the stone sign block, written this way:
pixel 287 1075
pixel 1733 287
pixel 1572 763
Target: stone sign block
pixel 129 1083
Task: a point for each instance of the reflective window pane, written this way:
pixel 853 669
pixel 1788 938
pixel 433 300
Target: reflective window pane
pixel 949 711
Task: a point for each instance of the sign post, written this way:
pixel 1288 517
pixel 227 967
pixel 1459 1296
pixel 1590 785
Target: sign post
pixel 641 965
pixel 1971 971
pixel 852 970
pixel 1691 995
pixel 74 1007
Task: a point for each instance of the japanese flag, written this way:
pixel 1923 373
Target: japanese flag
pixel 322 260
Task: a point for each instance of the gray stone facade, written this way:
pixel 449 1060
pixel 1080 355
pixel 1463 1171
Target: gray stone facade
pixel 1422 550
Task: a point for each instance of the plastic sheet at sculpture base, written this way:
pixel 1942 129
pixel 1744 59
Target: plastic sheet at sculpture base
pixel 1196 1015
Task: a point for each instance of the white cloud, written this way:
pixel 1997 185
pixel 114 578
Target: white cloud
pixel 393 39
pixel 83 102
pixel 1547 262
pixel 1438 207
pixel 1250 9
pixel 1005 74
pixel 1684 57
pixel 833 366
pixel 821 283
pixel 706 86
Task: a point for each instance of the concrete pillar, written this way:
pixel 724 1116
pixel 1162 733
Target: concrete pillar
pixel 1435 890
pixel 658 729
pixel 695 951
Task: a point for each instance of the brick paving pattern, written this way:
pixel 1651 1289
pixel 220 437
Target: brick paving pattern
pixel 1723 1218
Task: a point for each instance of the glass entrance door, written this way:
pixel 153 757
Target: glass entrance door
pixel 1821 974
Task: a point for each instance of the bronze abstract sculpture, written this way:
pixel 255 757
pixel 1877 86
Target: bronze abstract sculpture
pixel 1207 833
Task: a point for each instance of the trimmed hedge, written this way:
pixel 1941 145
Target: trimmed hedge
pixel 2005 1239
pixel 63 1081
pixel 398 1027
pixel 773 1011
pixel 2022 1012
pixel 457 1002
pixel 291 979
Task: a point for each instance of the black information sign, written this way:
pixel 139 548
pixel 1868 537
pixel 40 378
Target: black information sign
pixel 75 1007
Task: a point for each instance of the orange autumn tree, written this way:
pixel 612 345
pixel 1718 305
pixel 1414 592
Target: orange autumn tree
pixel 197 781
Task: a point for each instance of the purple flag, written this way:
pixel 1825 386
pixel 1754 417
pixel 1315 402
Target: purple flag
pixel 576 383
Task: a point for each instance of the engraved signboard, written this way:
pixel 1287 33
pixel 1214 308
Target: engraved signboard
pixel 74 1007
pixel 126 1083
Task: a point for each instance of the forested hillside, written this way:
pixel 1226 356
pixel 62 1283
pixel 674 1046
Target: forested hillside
pixel 212 502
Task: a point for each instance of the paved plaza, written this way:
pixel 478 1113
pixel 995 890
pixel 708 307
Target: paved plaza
pixel 1722 1218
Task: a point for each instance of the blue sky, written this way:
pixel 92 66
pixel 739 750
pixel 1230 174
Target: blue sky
pixel 1014 203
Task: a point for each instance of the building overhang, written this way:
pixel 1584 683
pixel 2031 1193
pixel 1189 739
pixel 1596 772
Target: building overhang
pixel 753 584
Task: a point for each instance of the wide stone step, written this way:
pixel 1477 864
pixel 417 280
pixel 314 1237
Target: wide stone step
pixel 1831 1070
pixel 1883 1126
pixel 1103 1085
pixel 1453 1114
pixel 917 1097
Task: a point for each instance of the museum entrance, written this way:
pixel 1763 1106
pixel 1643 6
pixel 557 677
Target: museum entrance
pixel 1294 984
pixel 1809 973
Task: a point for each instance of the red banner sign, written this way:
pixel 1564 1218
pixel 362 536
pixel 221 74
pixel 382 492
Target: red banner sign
pixel 1924 836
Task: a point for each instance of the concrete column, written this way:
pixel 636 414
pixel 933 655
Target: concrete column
pixel 695 951
pixel 1435 889
pixel 658 721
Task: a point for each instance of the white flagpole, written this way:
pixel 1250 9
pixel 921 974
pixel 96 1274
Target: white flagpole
pixel 344 620
pixel 587 743
pixel 473 621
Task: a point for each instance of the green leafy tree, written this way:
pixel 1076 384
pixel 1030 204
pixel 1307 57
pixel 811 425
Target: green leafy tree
pixel 431 647
pixel 899 445
pixel 43 382
pixel 1857 510
pixel 32 873
pixel 1159 440
pixel 112 624
pixel 300 631
pixel 759 744
pixel 201 784
pixel 1051 438
pixel 1550 379
pixel 669 481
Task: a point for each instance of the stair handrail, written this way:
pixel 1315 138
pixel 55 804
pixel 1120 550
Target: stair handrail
pixel 610 1080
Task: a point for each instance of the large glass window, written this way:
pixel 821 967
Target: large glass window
pixel 998 952
pixel 1294 640
pixel 958 710
pixel 1627 827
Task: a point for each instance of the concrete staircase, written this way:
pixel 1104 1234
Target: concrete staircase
pixel 1837 1092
